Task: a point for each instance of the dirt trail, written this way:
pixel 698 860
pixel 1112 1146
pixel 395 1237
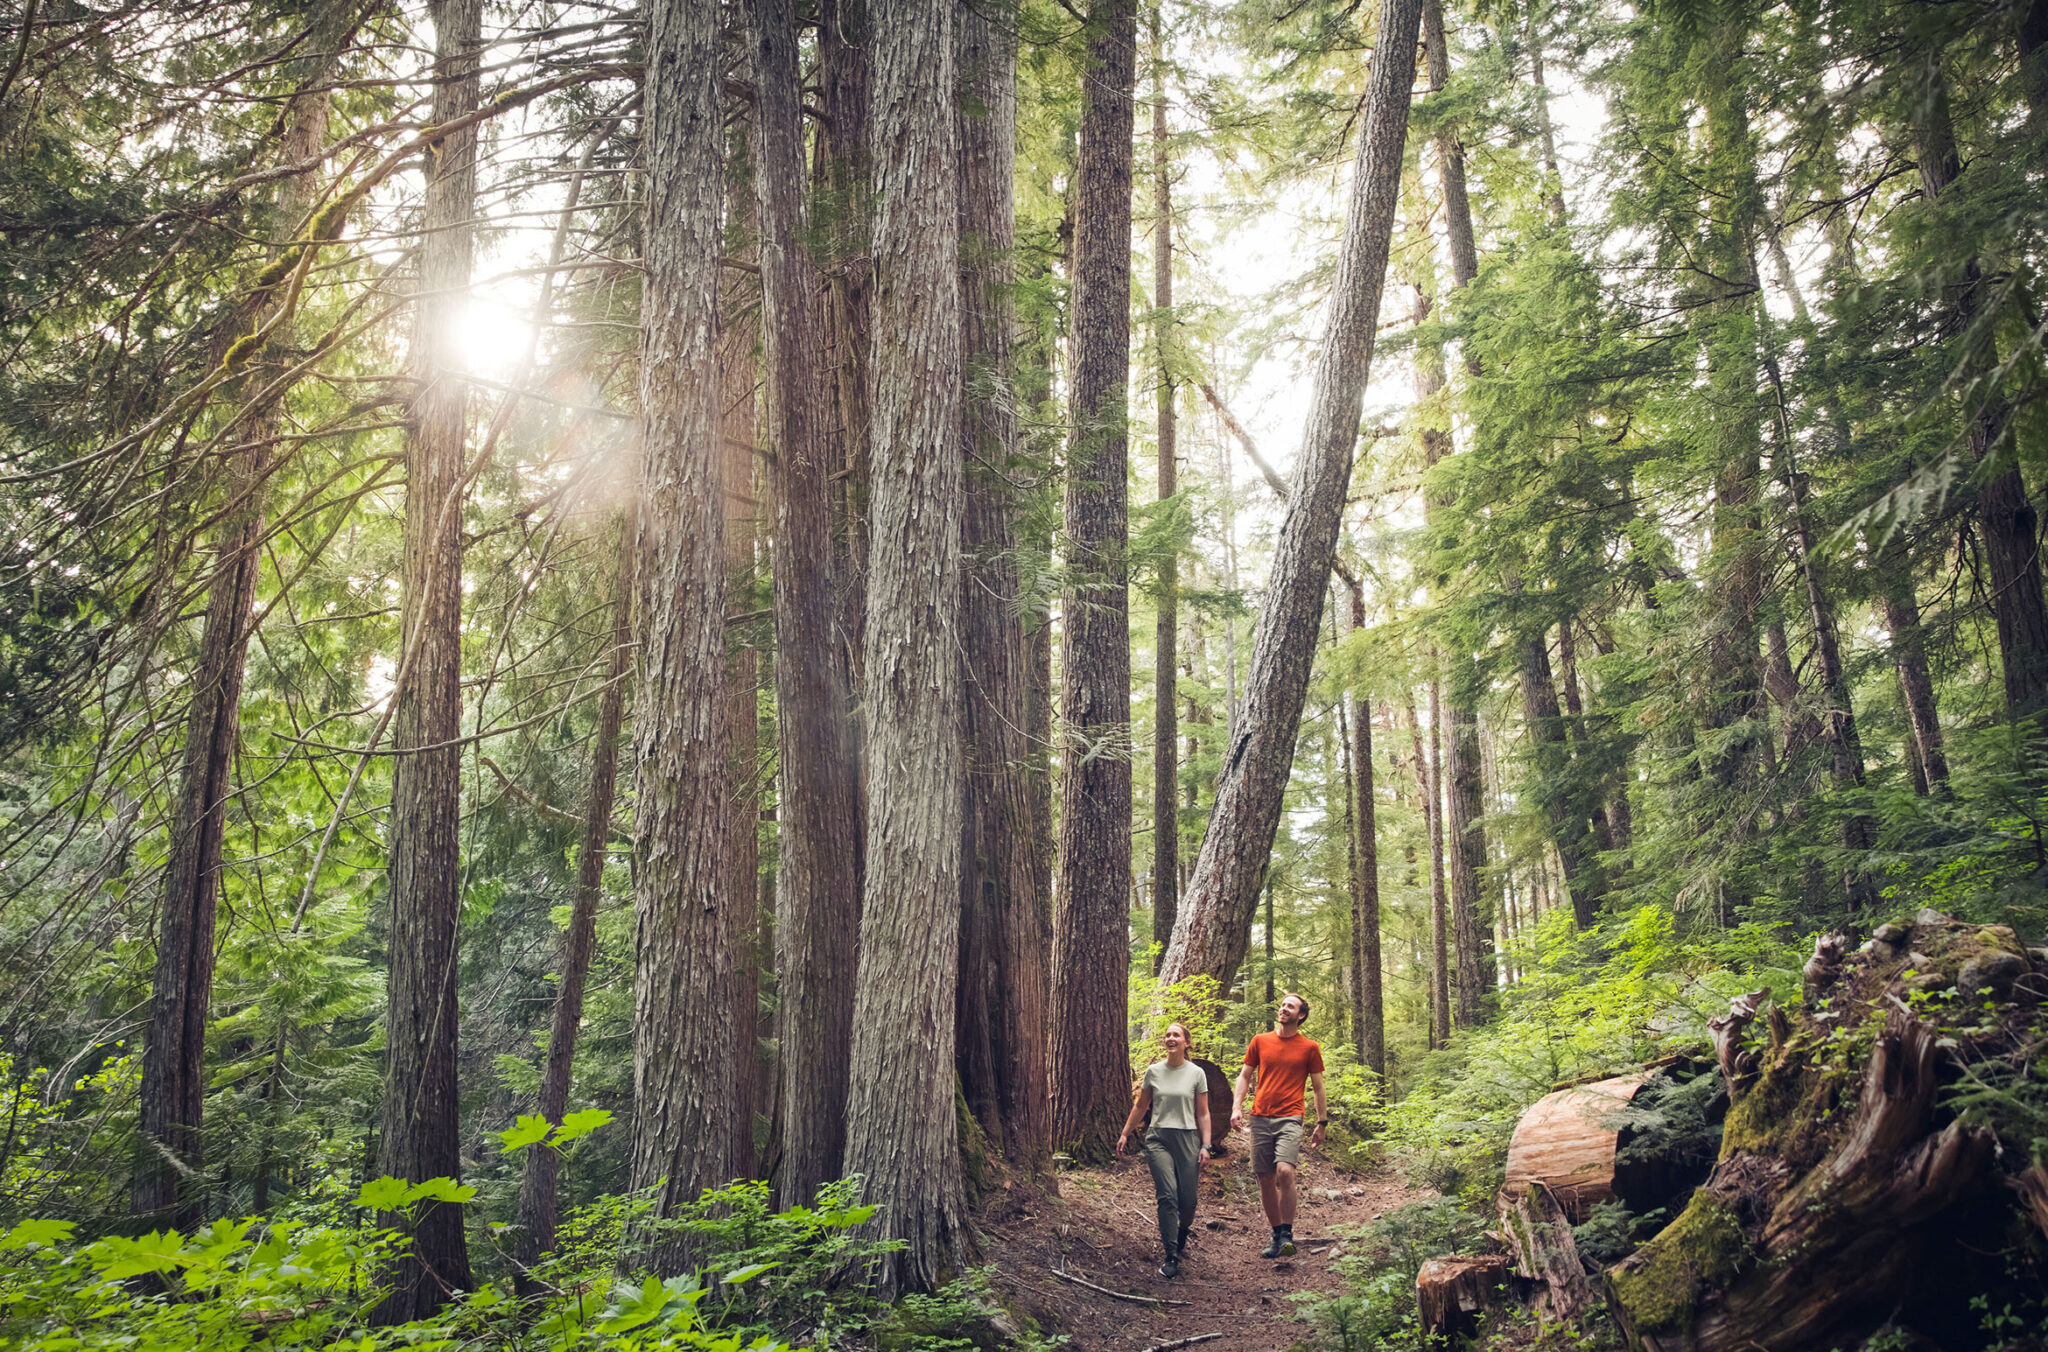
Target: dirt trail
pixel 1101 1228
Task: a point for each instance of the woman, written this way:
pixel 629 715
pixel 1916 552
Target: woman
pixel 1176 1091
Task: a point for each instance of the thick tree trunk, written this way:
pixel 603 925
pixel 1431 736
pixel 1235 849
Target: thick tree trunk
pixel 1004 983
pixel 685 1027
pixel 744 487
pixel 1165 735
pixel 534 1235
pixel 420 1132
pixel 843 151
pixel 818 897
pixel 1091 1079
pixel 901 1135
pixel 1370 1013
pixel 1214 926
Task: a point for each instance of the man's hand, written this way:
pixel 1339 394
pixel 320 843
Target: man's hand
pixel 1315 1138
pixel 1237 1119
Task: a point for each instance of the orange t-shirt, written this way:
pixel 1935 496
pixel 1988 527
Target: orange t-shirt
pixel 1284 1065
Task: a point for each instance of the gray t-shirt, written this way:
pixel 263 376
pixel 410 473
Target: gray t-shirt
pixel 1173 1093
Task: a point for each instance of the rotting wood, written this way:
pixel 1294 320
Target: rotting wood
pixel 1453 1290
pixel 1540 1237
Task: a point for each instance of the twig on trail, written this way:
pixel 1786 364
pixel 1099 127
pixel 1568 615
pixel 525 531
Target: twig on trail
pixel 1066 1276
pixel 1183 1342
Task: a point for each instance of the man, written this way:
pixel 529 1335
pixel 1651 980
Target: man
pixel 1282 1059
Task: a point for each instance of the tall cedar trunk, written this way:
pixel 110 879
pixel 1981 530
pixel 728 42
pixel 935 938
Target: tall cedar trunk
pixel 2005 516
pixel 420 1131
pixel 684 1025
pixel 739 417
pixel 1004 985
pixel 818 897
pixel 1464 807
pixel 1369 1016
pixel 843 154
pixel 1165 735
pixel 901 1135
pixel 173 1093
pixel 1551 758
pixel 1901 602
pixel 1735 580
pixel 1553 182
pixel 1091 1077
pixel 534 1235
pixel 1214 927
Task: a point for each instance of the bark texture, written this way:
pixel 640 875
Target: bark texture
pixel 1090 944
pixel 1004 974
pixel 684 1025
pixel 1217 910
pixel 1369 1015
pixel 420 1132
pixel 1551 755
pixel 901 1135
pixel 818 896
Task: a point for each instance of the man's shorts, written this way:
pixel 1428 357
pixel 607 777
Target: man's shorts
pixel 1275 1141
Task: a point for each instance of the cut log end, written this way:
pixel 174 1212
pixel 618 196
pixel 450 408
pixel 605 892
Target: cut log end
pixel 1452 1293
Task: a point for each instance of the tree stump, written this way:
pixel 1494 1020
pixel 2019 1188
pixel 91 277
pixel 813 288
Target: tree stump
pixel 1452 1292
pixel 1540 1236
pixel 1841 1191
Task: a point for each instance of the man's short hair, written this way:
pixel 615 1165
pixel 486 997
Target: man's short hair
pixel 1300 999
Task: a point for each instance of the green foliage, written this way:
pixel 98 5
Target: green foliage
pixel 1377 1309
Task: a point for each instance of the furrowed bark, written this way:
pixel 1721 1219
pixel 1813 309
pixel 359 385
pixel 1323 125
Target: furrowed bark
pixel 901 1135
pixel 1369 1015
pixel 420 1132
pixel 684 1022
pixel 1091 1077
pixel 818 897
pixel 1003 976
pixel 1214 927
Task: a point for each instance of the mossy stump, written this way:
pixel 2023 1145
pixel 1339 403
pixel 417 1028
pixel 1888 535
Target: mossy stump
pixel 1843 1183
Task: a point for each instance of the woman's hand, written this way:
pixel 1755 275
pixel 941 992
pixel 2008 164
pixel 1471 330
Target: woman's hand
pixel 1121 1141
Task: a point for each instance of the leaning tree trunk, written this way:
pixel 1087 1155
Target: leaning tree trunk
pixel 684 1025
pixel 1004 990
pixel 818 897
pixel 534 1235
pixel 1091 1077
pixel 1216 913
pixel 901 1135
pixel 1165 632
pixel 420 1132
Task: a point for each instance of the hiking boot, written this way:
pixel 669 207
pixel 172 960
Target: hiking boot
pixel 1273 1250
pixel 1171 1267
pixel 1285 1240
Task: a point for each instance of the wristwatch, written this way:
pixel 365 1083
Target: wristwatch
pixel 1322 1121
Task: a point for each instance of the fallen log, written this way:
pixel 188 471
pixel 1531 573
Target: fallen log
pixel 1451 1293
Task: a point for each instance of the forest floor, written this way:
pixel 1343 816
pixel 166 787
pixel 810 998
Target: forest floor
pixel 1101 1229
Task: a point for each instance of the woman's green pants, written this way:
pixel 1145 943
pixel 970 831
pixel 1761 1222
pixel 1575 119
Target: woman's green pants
pixel 1174 1156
